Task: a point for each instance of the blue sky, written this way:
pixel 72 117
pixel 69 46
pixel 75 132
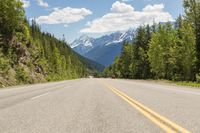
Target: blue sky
pixel 74 18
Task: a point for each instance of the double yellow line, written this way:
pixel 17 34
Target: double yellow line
pixel 164 123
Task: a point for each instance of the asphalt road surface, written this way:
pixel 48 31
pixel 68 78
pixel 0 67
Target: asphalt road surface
pixel 99 106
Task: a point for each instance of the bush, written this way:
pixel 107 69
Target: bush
pixel 198 78
pixel 4 66
pixel 21 75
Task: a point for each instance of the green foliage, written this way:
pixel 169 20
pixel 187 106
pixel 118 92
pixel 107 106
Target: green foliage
pixel 4 66
pixel 156 56
pixel 140 64
pixel 186 51
pixel 12 14
pixel 198 78
pixel 31 55
pixel 192 10
pixel 122 63
pixel 54 58
pixel 21 75
pixel 192 84
pixel 161 52
pixel 133 61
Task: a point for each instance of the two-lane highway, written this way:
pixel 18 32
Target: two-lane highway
pixel 99 106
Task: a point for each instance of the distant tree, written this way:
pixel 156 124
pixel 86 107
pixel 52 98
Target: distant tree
pixel 124 61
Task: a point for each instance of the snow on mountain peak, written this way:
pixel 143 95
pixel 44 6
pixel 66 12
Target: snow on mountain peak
pixel 83 40
pixel 85 43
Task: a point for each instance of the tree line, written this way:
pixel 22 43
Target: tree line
pixel 163 51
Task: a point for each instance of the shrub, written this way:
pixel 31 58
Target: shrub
pixel 198 77
pixel 4 66
pixel 21 75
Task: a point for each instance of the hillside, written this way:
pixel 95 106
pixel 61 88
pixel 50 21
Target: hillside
pixel 91 65
pixel 105 54
pixel 28 55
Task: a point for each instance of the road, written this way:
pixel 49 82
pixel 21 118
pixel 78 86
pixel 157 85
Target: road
pixel 99 106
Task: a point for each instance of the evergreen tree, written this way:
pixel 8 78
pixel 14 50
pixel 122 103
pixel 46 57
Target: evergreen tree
pixel 192 10
pixel 185 50
pixel 11 16
pixel 124 61
pixel 140 62
pixel 29 55
pixel 162 52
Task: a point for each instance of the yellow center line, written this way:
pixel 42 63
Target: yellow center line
pixel 164 123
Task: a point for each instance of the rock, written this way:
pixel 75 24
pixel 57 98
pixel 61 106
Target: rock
pixel 38 69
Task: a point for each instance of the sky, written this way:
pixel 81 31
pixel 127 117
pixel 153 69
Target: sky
pixel 73 18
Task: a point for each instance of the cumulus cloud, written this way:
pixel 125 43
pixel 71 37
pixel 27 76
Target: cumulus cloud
pixel 42 3
pixel 64 16
pixel 118 7
pixel 126 0
pixel 26 3
pixel 123 16
pixel 65 25
pixel 154 8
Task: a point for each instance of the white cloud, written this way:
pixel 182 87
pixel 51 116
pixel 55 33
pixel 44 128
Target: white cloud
pixel 154 8
pixel 126 0
pixel 123 16
pixel 26 3
pixel 65 25
pixel 42 3
pixel 119 7
pixel 64 16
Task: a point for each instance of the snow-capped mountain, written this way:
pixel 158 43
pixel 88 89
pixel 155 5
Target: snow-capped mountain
pixel 83 40
pixel 83 44
pixel 128 35
pixel 103 49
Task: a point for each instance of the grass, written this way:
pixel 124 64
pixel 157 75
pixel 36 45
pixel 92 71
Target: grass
pixel 191 84
pixel 182 83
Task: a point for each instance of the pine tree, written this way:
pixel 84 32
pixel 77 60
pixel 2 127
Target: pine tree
pixel 192 10
pixel 12 14
pixel 140 44
pixel 162 52
pixel 185 50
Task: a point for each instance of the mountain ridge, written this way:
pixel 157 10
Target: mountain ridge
pixel 103 49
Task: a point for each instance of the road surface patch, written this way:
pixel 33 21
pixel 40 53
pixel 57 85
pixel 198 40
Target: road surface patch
pixel 164 123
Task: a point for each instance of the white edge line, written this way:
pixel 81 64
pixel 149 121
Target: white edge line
pixel 176 90
pixel 39 96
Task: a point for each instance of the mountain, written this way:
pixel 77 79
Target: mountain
pixel 103 49
pixel 91 65
pixel 83 44
pixel 105 54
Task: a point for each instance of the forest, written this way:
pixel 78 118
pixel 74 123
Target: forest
pixel 163 51
pixel 28 55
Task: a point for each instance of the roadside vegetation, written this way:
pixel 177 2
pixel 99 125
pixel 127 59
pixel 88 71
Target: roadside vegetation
pixel 192 84
pixel 28 55
pixel 168 51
